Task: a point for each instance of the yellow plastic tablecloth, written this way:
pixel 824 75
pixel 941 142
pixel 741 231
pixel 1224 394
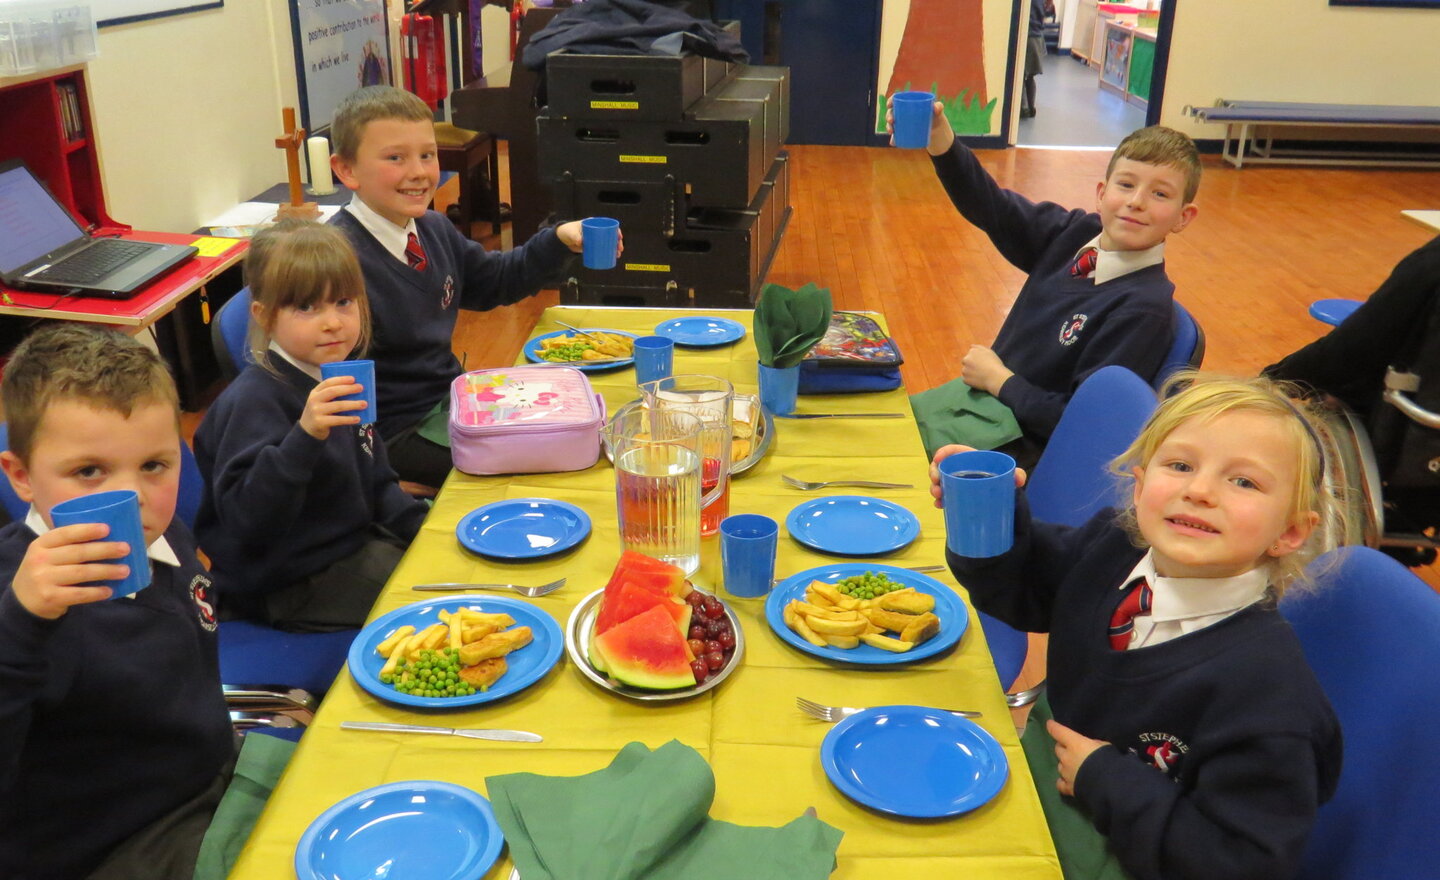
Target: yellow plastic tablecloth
pixel 765 753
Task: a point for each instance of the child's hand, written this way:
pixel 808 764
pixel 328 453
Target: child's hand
pixel 62 557
pixel 982 368
pixel 945 452
pixel 1071 749
pixel 572 235
pixel 323 411
pixel 941 134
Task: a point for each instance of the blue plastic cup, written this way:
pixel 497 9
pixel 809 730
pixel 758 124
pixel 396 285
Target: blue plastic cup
pixel 913 112
pixel 654 359
pixel 747 554
pixel 363 372
pixel 599 239
pixel 120 510
pixel 978 489
pixel 778 389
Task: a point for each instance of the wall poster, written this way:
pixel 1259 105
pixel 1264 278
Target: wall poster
pixel 340 45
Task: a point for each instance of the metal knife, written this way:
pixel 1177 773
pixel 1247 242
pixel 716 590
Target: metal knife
pixel 841 416
pixel 473 733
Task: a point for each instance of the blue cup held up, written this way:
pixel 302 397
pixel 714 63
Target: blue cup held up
pixel 364 374
pixel 654 359
pixel 747 554
pixel 120 510
pixel 978 490
pixel 913 112
pixel 778 389
pixel 599 238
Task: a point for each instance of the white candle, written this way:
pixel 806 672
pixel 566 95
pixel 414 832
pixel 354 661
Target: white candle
pixel 318 149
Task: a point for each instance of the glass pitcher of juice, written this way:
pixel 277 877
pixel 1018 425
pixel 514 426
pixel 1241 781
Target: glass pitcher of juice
pixel 657 483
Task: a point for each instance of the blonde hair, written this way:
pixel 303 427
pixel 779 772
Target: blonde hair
pixel 1318 481
pixel 68 361
pixel 298 263
pixel 363 106
pixel 1158 145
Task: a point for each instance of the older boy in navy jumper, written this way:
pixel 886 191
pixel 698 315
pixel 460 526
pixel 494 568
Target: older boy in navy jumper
pixel 115 744
pixel 419 270
pixel 1097 292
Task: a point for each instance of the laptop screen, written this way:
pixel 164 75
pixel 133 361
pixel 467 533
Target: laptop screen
pixel 32 222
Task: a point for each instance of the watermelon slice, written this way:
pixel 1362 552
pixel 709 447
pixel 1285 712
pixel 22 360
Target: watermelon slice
pixel 629 599
pixel 648 572
pixel 646 651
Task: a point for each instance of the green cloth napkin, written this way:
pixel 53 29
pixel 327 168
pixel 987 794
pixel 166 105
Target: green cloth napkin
pixel 646 817
pixel 956 413
pixel 262 760
pixel 1084 852
pixel 788 323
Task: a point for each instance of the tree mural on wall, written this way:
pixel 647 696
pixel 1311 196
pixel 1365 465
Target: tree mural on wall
pixel 943 51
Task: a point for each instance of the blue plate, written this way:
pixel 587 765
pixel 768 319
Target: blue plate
pixel 701 332
pixel 526 665
pixel 532 351
pixel 419 830
pixel 852 525
pixel 914 761
pixel 523 528
pixel 948 608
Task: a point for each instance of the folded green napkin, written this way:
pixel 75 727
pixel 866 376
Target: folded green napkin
pixel 788 323
pixel 956 413
pixel 645 817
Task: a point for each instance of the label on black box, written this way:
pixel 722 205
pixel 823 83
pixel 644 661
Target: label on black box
pixel 646 267
pixel 643 160
pixel 614 105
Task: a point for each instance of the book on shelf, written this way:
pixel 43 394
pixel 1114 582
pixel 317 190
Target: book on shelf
pixel 70 116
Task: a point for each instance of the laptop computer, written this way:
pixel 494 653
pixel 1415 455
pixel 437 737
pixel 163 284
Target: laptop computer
pixel 42 248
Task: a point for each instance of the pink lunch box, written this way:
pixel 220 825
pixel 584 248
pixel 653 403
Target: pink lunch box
pixel 524 420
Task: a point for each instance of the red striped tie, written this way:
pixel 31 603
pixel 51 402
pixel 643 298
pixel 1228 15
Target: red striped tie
pixel 1122 622
pixel 1085 263
pixel 415 254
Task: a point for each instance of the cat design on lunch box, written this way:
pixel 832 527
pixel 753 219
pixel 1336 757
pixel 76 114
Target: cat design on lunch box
pixel 528 419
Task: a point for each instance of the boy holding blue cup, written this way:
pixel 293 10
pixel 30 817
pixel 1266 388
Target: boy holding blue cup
pixel 116 740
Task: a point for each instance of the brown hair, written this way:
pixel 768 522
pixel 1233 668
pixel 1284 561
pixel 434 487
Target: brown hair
pixel 68 361
pixel 1319 484
pixel 298 263
pixel 1158 145
pixel 363 106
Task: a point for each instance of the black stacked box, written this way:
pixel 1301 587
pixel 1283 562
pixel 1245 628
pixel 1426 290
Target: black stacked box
pixel 686 153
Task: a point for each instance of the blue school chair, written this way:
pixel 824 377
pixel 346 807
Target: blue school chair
pixel 1187 350
pixel 1371 631
pixel 229 332
pixel 1072 482
pixel 1333 311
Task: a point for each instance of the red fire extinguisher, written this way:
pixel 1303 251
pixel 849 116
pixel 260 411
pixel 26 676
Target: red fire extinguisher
pixel 423 44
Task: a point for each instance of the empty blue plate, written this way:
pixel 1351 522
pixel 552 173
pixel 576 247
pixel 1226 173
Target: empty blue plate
pixel 914 761
pixel 420 830
pixel 525 666
pixel 523 528
pixel 700 332
pixel 852 525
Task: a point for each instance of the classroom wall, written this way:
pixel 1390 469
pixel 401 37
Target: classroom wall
pixel 1298 50
pixel 187 109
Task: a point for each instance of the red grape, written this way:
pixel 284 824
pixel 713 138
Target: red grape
pixel 726 639
pixel 697 647
pixel 701 670
pixel 714 608
pixel 697 631
pixel 712 645
pixel 713 628
pixel 714 659
pixel 695 598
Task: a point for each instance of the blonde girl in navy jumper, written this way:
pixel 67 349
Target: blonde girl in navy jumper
pixel 1187 728
pixel 302 517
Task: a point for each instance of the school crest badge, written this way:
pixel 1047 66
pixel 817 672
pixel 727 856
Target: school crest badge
pixel 1070 330
pixel 366 435
pixel 204 605
pixel 448 296
pixel 1163 751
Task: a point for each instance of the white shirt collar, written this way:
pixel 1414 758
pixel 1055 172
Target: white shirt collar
pixel 308 369
pixel 158 551
pixel 1110 265
pixel 391 237
pixel 1189 599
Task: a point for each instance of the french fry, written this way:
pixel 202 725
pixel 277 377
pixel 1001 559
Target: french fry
pixel 829 591
pixel 434 635
pixel 790 614
pixel 477 632
pixel 824 627
pixel 819 599
pixel 387 647
pixel 472 617
pixel 885 643
pixel 397 651
pixel 845 642
pixel 455 629
pixel 807 633
pixel 825 613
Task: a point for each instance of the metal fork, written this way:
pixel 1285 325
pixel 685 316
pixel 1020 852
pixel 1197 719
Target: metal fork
pixel 835 713
pixel 528 592
pixel 825 484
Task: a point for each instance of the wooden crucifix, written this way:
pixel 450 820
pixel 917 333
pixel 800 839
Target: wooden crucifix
pixel 291 142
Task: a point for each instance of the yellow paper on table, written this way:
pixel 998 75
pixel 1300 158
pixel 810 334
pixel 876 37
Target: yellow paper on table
pixel 210 246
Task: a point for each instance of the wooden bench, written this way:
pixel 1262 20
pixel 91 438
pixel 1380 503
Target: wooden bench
pixel 1251 127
